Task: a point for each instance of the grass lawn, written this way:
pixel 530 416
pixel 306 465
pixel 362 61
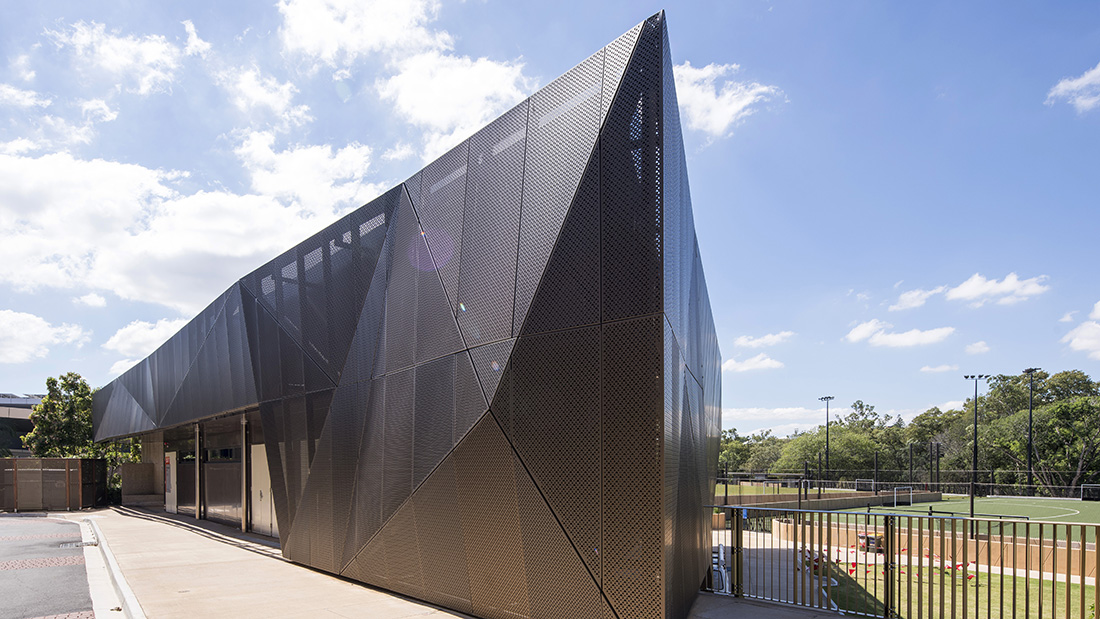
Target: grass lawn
pixel 861 590
pixel 1032 508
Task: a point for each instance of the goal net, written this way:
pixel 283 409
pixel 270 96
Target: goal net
pixel 1090 492
pixel 903 495
pixel 865 485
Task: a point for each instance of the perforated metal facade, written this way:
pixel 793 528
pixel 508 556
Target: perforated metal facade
pixel 497 386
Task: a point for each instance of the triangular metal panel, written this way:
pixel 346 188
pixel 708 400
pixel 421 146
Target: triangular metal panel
pixel 125 415
pixel 568 295
pixel 434 413
pixel 410 253
pixel 616 55
pixel 170 363
pixel 551 414
pixel 562 129
pixel 490 228
pixel 470 402
pixel 443 197
pixel 139 382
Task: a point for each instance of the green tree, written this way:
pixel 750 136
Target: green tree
pixel 734 450
pixel 63 425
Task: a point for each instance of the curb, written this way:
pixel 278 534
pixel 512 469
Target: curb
pixel 130 606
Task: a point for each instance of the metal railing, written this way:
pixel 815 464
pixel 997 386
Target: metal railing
pixel 907 565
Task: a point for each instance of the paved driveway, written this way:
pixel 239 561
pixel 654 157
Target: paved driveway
pixel 42 568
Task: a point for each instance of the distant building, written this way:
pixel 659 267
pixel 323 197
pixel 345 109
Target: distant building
pixel 495 388
pixel 15 420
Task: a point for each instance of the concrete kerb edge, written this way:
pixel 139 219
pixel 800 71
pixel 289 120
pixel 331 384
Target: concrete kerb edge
pixel 130 606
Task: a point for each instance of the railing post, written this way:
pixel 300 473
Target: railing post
pixel 737 554
pixel 888 569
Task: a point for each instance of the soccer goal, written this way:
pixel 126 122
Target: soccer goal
pixel 903 495
pixel 865 485
pixel 1090 492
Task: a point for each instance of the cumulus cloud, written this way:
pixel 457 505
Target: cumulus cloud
pixel 139 338
pixel 451 96
pixel 939 368
pixel 1095 313
pixel 338 32
pixel 1085 338
pixel 148 64
pixel 875 332
pixel 399 152
pixel 759 362
pixel 1082 92
pixel 252 92
pixel 1067 317
pixel 21 66
pixel 118 367
pixel 195 46
pixel 914 298
pixel 97 110
pixel 979 290
pixel 770 339
pixel 17 97
pixel 91 300
pixel 977 348
pixel 24 337
pixel 713 103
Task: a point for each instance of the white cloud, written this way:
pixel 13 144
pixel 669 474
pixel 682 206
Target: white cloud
pixel 97 110
pixel 876 334
pixel 337 32
pixel 118 367
pixel 91 300
pixel 148 63
pixel 24 337
pixel 195 45
pixel 452 96
pixel 782 421
pixel 759 362
pixel 978 290
pixel 939 368
pixel 717 109
pixel 127 229
pixel 17 97
pixel 60 132
pixel 399 152
pixel 1095 313
pixel 1067 317
pixel 18 146
pixel 1082 92
pixel 951 405
pixel 251 92
pixel 313 178
pixel 914 298
pixel 770 339
pixel 1085 337
pixel 139 338
pixel 22 67
pixel 977 348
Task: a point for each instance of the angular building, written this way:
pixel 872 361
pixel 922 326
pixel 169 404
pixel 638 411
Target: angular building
pixel 496 387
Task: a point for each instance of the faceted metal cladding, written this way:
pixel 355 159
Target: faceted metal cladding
pixel 497 386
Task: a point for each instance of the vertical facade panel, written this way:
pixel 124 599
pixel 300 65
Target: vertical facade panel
pixel 443 196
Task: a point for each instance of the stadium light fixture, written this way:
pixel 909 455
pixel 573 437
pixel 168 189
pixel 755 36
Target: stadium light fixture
pixel 1030 448
pixel 826 399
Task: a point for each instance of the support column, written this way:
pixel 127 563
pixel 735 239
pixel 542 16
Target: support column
pixel 198 473
pixel 245 454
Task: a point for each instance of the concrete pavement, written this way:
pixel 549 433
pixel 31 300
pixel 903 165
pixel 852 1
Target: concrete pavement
pixel 41 568
pixel 180 567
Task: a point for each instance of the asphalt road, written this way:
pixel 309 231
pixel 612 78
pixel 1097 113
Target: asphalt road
pixel 38 576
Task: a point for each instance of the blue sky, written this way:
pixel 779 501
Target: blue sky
pixel 887 195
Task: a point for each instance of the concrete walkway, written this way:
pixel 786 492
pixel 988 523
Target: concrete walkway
pixel 180 567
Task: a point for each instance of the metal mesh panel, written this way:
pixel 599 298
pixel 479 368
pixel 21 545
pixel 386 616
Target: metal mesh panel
pixel 361 358
pixel 139 382
pixel 54 490
pixel 555 428
pixel 401 291
pixel 561 132
pixel 436 328
pixel 441 539
pixel 470 402
pixel 677 240
pixel 485 477
pixel 489 363
pixel 673 419
pixel 397 460
pixel 616 55
pixel 442 197
pixel 630 151
pixel 557 582
pixel 369 566
pixel 569 293
pixel 7 484
pixel 632 423
pixel 367 513
pixel 433 428
pixel 405 574
pixel 490 228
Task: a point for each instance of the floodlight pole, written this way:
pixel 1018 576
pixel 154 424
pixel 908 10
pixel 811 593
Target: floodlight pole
pixel 1030 449
pixel 826 399
pixel 974 468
